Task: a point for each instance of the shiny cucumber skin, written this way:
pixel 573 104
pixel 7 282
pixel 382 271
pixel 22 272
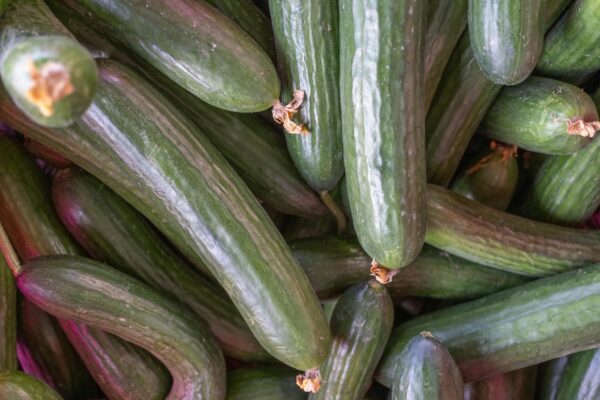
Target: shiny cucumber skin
pixel 361 324
pixel 8 319
pixel 15 385
pixel 112 231
pixel 383 129
pixel 535 116
pixel 507 37
pixel 574 377
pixel 179 181
pixel 446 21
pixel 519 384
pixel 494 334
pixel 192 43
pixel 123 306
pixel 426 371
pixel 571 51
pixel 496 239
pixel 265 383
pixel 308 51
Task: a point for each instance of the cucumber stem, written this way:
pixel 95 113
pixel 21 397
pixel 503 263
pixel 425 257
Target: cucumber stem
pixel 283 114
pixel 51 82
pixel 9 253
pixel 583 128
pixel 337 212
pixel 310 381
pixel 382 274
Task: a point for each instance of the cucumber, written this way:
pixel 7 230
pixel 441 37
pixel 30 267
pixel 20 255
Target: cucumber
pixel 332 264
pixel 186 189
pixel 361 324
pixel 113 232
pixel 494 334
pixel 574 377
pixel 507 38
pixel 123 306
pixel 519 384
pixel 15 385
pixel 382 117
pixel 571 50
pixel 496 239
pixel 263 384
pixel 49 156
pixel 8 319
pixel 48 75
pixel 543 115
pixel 194 45
pixel 446 21
pixel 308 51
pixel 426 370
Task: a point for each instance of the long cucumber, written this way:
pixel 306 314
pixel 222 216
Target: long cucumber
pixel 16 385
pixel 263 384
pixel 574 377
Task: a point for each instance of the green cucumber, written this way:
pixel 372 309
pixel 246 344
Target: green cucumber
pixel 519 384
pixel 571 51
pixel 50 77
pixel 194 45
pixel 113 232
pixel 8 319
pixel 361 324
pixel 496 239
pixel 573 377
pixel 382 114
pixel 542 115
pixel 426 371
pixel 15 385
pixel 507 38
pixel 180 182
pixel 308 49
pixel 332 264
pixel 263 384
pixel 123 306
pixel 49 156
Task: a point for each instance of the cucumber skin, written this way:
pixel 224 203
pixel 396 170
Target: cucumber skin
pixel 384 144
pixel 573 377
pixel 214 58
pixel 8 319
pixel 361 324
pixel 519 384
pixel 493 334
pixel 263 384
pixel 507 38
pixel 535 114
pixel 120 305
pixel 308 50
pixel 113 232
pixel 426 371
pixel 496 239
pixel 15 385
pixel 571 51
pixel 186 165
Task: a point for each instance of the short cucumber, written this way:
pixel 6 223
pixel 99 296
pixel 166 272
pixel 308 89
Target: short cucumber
pixel 8 319
pixel 15 385
pixel 573 377
pixel 494 334
pixel 383 129
pixel 542 115
pixel 496 239
pixel 507 38
pixel 360 324
pixel 263 384
pixel 519 384
pixel 426 370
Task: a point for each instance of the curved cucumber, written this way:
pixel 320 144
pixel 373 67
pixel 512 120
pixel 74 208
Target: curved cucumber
pixel 50 77
pixel 8 319
pixel 542 115
pixel 361 324
pixel 263 384
pixel 479 233
pixel 571 51
pixel 180 182
pixel 519 384
pixel 507 38
pixel 113 232
pixel 123 306
pixel 15 385
pixel 193 44
pixel 382 113
pixel 307 41
pixel 575 377
pixel 426 370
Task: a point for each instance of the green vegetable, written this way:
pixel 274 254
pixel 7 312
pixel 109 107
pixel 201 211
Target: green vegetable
pixel 574 377
pixel 8 319
pixel 263 384
pixel 15 385
pixel 519 384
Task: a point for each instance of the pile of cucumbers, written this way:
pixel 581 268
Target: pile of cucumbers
pixel 299 199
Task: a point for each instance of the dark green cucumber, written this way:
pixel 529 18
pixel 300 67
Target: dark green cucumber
pixel 512 329
pixel 8 319
pixel 15 385
pixel 571 52
pixel 120 305
pixel 496 239
pixel 361 324
pixel 574 377
pixel 50 77
pixel 180 182
pixel 446 21
pixel 382 114
pixel 194 45
pixel 307 42
pixel 519 384
pixel 111 231
pixel 426 371
pixel 333 264
pixel 49 156
pixel 263 384
pixel 542 115
pixel 507 38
